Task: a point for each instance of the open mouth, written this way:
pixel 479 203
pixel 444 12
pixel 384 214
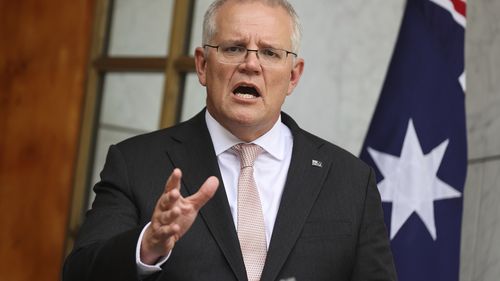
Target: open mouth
pixel 246 92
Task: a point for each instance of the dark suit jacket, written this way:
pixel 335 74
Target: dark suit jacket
pixel 329 224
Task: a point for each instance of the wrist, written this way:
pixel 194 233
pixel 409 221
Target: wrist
pixel 150 253
pixel 149 258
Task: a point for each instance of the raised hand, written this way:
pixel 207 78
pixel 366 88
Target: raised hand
pixel 173 216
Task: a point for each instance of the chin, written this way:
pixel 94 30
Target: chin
pixel 245 116
pixel 244 121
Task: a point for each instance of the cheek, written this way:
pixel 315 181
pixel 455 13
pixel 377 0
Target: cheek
pixel 279 87
pixel 219 79
pixel 217 87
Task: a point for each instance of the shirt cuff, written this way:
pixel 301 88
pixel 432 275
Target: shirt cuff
pixel 146 269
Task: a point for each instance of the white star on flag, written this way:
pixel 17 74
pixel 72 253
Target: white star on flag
pixel 411 183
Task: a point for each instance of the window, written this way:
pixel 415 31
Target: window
pixel 138 63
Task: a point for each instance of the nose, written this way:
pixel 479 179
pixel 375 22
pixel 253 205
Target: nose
pixel 251 62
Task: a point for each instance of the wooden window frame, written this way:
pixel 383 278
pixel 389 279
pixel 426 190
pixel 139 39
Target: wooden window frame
pixel 175 67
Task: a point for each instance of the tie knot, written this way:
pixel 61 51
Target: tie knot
pixel 247 152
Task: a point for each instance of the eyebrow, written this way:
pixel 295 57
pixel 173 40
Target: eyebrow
pixel 244 43
pixel 237 42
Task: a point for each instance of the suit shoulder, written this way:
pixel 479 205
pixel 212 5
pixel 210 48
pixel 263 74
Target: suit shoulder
pixel 162 137
pixel 151 139
pixel 326 148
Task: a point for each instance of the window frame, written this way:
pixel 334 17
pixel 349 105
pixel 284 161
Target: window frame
pixel 175 66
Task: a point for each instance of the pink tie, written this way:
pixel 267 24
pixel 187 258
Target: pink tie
pixel 251 230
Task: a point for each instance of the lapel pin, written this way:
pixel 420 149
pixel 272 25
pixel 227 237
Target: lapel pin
pixel 317 163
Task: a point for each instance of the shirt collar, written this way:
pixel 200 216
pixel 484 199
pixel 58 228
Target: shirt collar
pixel 272 142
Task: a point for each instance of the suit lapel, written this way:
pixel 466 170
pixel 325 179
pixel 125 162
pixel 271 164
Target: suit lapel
pixel 192 151
pixel 304 182
pixel 195 156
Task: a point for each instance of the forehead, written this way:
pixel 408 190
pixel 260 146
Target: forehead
pixel 253 21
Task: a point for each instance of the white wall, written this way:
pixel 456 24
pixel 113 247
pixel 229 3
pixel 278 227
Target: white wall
pixel 480 250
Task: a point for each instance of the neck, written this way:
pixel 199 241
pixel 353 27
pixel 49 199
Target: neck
pixel 246 132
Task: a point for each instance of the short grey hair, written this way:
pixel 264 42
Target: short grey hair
pixel 209 26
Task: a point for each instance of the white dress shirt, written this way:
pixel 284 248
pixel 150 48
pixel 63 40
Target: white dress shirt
pixel 270 167
pixel 270 172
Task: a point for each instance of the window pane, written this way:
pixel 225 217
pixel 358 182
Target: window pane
pixel 132 100
pixel 140 28
pixel 194 94
pixel 200 6
pixel 194 97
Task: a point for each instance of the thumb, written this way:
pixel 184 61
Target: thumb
pixel 206 191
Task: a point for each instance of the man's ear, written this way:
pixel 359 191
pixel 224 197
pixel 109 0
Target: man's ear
pixel 296 73
pixel 201 65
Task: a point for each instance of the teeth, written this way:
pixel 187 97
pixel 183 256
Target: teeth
pixel 245 96
pixel 246 90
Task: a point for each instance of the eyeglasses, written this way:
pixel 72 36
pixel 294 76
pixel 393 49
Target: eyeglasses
pixel 234 54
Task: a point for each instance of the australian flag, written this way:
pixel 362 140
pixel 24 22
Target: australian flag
pixel 417 141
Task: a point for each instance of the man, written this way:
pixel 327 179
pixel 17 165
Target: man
pixel 314 212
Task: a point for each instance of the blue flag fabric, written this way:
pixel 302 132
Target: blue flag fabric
pixel 416 141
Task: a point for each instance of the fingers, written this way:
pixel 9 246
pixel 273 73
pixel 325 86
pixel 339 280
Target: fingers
pixel 198 200
pixel 168 200
pixel 174 215
pixel 164 229
pixel 206 191
pixel 172 197
pixel 168 216
pixel 171 192
pixel 164 232
pixel 174 181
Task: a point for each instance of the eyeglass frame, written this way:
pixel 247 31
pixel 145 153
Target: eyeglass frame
pixel 251 50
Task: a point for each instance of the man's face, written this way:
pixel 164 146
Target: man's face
pixel 252 25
